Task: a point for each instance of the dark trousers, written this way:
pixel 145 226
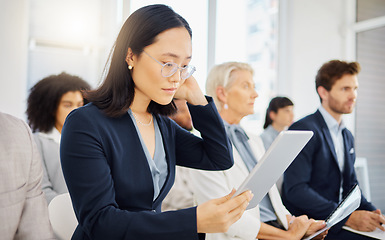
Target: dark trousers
pixel 346 235
pixel 276 224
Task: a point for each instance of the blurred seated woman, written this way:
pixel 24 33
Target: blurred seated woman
pixel 232 87
pixel 279 116
pixel 49 102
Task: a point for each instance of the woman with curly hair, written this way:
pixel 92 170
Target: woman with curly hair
pixel 49 102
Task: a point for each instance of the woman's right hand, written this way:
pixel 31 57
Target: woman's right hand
pixel 219 214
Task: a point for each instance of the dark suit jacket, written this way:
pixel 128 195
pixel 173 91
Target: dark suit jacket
pixel 312 182
pixel 110 182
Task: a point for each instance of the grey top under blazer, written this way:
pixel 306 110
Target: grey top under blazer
pixel 53 180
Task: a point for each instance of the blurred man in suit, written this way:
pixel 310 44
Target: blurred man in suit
pixel 23 208
pixel 323 173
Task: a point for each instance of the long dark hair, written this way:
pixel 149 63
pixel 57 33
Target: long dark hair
pixel 45 96
pixel 116 93
pixel 274 105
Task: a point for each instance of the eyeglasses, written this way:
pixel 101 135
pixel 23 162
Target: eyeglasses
pixel 169 68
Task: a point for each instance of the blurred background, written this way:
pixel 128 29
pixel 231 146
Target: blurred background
pixel 286 41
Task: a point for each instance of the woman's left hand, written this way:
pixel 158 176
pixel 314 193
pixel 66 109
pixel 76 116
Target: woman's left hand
pixel 315 227
pixel 191 92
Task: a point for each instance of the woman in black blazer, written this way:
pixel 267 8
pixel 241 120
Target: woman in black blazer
pixel 119 152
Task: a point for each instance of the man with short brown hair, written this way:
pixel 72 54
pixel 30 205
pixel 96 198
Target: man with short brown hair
pixel 323 172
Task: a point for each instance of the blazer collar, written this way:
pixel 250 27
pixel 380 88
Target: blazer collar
pixel 326 133
pixel 54 135
pixel 349 154
pixel 165 189
pixel 156 204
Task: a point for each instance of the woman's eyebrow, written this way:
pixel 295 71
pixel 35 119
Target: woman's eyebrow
pixel 174 55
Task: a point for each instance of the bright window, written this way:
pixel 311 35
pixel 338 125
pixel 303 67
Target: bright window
pixel 247 31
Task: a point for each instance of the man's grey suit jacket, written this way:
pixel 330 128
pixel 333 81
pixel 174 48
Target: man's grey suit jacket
pixel 23 208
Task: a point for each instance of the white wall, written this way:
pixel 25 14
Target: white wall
pixel 312 32
pixel 22 64
pixel 13 57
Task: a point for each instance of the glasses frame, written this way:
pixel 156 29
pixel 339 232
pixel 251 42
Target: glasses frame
pixel 176 67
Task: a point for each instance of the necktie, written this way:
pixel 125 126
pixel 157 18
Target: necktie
pixel 240 140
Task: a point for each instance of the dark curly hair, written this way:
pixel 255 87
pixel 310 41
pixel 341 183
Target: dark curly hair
pixel 44 99
pixel 333 70
pixel 116 93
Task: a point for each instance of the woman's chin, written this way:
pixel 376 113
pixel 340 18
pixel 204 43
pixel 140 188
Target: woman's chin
pixel 251 112
pixel 164 101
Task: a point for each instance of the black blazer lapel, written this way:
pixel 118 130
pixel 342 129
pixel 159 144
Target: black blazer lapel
pixel 349 160
pixel 329 141
pixel 327 136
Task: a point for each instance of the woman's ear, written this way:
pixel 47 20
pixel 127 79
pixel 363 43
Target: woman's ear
pixel 272 115
pixel 221 94
pixel 130 57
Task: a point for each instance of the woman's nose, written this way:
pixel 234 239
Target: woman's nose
pixel 254 94
pixel 176 77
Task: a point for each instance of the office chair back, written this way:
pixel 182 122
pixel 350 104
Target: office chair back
pixel 62 216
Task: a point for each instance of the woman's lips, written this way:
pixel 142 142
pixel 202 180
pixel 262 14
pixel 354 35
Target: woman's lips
pixel 169 90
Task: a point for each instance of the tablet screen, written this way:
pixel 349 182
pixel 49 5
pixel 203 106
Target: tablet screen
pixel 273 163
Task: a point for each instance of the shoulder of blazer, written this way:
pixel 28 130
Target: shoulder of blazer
pixel 88 111
pixel 314 122
pixel 90 114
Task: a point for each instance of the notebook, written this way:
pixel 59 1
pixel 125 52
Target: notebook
pixel 273 163
pixel 350 203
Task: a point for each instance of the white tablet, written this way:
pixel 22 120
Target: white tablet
pixel 273 163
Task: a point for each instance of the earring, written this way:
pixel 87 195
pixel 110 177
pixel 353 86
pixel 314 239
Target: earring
pixel 226 106
pixel 129 67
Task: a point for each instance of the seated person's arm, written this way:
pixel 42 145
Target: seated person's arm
pixel 297 229
pixel 366 221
